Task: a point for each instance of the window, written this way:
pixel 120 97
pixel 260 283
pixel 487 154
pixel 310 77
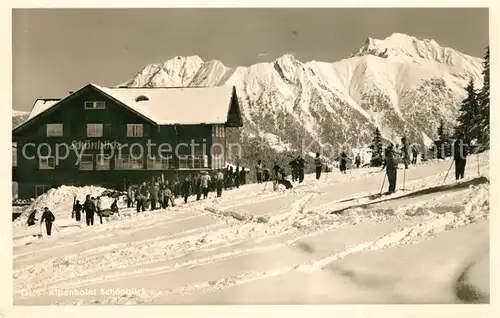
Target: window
pixel 54 130
pixel 193 162
pixel 95 105
pixel 135 130
pixel 160 163
pixel 222 131
pixel 128 162
pixel 218 131
pixel 87 162
pixel 94 130
pixel 47 163
pixel 102 162
pixel 218 161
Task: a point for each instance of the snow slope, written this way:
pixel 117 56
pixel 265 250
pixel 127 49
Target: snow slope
pixel 401 84
pixel 256 246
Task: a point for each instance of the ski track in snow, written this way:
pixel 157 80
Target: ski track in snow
pixel 154 244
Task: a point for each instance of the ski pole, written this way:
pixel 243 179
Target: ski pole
pixel 446 177
pixel 478 171
pixel 383 182
pixel 404 178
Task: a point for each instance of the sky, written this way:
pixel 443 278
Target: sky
pixel 59 50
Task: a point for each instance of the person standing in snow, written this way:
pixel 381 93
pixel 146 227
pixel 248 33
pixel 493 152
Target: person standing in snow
pixel 294 169
pixel 243 176
pixel 153 195
pixel 343 162
pixel 414 151
pixel 391 166
pixel 266 174
pixel 220 183
pixel 205 184
pixel 301 164
pixel 161 196
pixel 236 177
pixel 168 196
pixel 460 152
pixel 89 208
pixel 258 171
pixel 49 218
pixel 357 161
pixel 319 166
pixel 130 196
pixel 77 210
pixel 99 208
pixel 186 188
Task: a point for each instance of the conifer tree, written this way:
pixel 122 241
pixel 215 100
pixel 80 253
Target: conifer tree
pixel 376 148
pixel 442 145
pixel 483 101
pixel 469 118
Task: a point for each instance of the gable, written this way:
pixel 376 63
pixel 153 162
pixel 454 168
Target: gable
pixel 44 109
pixel 159 106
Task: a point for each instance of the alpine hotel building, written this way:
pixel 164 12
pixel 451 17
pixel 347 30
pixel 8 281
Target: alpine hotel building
pixel 112 131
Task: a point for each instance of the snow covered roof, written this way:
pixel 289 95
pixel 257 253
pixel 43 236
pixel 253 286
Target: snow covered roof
pixel 41 105
pixel 163 106
pixel 184 106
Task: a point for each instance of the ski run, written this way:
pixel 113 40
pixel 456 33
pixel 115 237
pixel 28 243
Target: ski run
pixel 323 242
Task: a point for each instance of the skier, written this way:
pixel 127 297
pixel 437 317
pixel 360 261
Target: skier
pixel 205 184
pixel 293 167
pixel 168 196
pixel 414 152
pixel 276 170
pixel 220 183
pixel 236 177
pixel 139 199
pixel 258 171
pixel 230 178
pixel 77 210
pixel 153 194
pixel 99 207
pixel 243 176
pixel 301 164
pixel 357 161
pixel 460 153
pixel 266 174
pixel 130 196
pixel 186 188
pixel 405 152
pixel 32 218
pixel 343 162
pixel 391 167
pixel 49 218
pixel 319 166
pixel 197 187
pixel 89 208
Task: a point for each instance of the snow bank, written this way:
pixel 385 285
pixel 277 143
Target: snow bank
pixel 60 201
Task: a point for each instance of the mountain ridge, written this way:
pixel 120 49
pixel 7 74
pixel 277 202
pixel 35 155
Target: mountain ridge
pixel 401 84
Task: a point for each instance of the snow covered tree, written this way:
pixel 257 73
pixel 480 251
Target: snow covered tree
pixel 468 120
pixel 483 101
pixel 376 148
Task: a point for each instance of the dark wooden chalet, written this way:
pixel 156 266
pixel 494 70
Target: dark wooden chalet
pixel 112 136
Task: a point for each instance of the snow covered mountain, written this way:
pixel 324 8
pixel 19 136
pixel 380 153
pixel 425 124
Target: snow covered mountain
pixel 401 84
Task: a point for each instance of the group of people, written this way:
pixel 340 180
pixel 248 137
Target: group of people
pixel 92 206
pixel 159 193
